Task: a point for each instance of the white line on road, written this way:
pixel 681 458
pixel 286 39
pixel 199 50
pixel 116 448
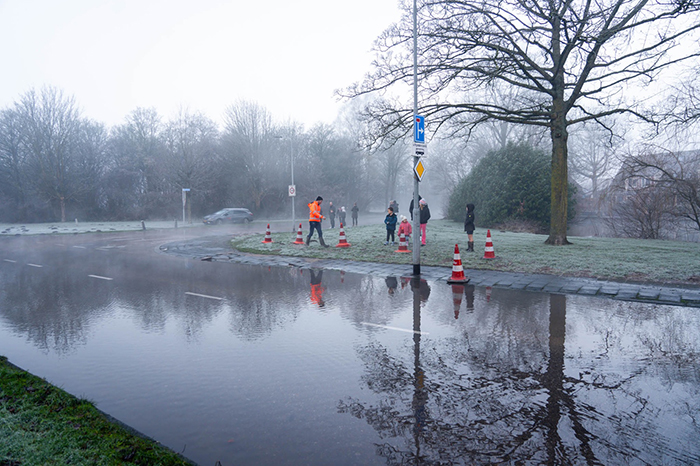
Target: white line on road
pixel 34 265
pixel 10 260
pixel 80 247
pixel 203 295
pixel 100 277
pixel 394 328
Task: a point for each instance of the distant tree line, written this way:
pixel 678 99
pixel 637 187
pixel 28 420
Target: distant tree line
pixel 57 165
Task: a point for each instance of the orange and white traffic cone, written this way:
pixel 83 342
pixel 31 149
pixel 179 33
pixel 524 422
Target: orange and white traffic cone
pixel 403 246
pixel 489 253
pixel 457 292
pixel 342 243
pixel 300 237
pixel 457 269
pixel 268 235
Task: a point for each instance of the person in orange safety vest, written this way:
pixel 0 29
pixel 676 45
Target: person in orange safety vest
pixel 315 218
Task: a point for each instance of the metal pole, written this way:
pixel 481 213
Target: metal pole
pixel 416 207
pixel 291 152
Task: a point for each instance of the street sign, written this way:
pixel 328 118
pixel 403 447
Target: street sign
pixel 420 149
pixel 419 129
pixel 419 170
pixel 292 190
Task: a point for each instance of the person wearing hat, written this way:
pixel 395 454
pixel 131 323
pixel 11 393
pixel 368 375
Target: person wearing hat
pixel 315 218
pixel 424 217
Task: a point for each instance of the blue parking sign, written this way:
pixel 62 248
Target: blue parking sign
pixel 419 129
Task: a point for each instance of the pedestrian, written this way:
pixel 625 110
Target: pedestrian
pixel 342 214
pixel 315 218
pixel 469 227
pixel 410 207
pixel 390 222
pixel 405 228
pixel 354 210
pixel 424 217
pixel 331 213
pixel 395 205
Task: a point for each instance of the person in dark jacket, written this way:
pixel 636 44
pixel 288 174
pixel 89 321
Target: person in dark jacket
pixel 390 222
pixel 469 227
pixel 331 213
pixel 424 217
pixel 410 207
pixel 354 211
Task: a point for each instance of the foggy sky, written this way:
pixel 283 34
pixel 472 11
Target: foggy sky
pixel 116 55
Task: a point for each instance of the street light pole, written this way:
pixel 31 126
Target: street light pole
pixel 416 197
pixel 291 154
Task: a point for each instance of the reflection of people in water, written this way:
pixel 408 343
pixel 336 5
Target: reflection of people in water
pixel 423 289
pixel 392 283
pixel 316 288
pixel 469 291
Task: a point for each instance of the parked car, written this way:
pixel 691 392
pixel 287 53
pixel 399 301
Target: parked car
pixel 230 215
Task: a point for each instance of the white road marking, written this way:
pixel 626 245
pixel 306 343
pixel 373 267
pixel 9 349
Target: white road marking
pixel 203 295
pixel 34 265
pixel 100 277
pixel 80 247
pixel 394 328
pixel 10 260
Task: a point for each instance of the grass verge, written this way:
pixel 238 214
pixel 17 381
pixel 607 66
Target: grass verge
pixel 42 424
pixel 658 261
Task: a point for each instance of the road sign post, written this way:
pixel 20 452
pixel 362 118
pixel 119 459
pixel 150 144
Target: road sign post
pixel 184 202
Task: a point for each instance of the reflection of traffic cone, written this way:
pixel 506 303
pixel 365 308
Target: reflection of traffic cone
pixel 488 294
pixel 342 243
pixel 403 246
pixel 457 292
pixel 300 237
pixel 342 276
pixel 457 269
pixel 268 236
pixel 488 253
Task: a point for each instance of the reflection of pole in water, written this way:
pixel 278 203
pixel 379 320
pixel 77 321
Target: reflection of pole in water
pixel 420 395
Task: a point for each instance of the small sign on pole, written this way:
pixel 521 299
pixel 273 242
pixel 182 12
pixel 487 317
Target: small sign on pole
pixel 292 190
pixel 419 170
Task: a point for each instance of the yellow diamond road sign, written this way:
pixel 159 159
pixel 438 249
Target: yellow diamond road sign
pixel 419 169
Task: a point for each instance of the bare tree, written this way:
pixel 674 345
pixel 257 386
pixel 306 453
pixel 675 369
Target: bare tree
pixel 51 123
pixel 570 61
pixel 678 173
pixel 592 157
pixel 13 176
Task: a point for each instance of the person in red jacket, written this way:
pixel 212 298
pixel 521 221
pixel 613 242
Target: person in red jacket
pixel 315 218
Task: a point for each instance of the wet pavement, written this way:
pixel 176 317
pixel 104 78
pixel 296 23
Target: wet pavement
pixel 282 361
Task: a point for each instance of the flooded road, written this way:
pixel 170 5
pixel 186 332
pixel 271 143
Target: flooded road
pixel 265 365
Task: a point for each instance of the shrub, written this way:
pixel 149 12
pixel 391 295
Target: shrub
pixel 510 184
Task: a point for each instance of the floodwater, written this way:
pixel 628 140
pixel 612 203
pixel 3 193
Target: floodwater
pixel 255 365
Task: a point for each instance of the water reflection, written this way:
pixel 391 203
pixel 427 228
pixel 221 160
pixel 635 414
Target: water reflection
pixel 505 389
pixel 444 374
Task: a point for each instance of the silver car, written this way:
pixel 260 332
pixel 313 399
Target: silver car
pixel 229 215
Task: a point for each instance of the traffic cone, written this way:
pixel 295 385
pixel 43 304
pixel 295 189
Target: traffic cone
pixel 457 292
pixel 488 253
pixel 300 237
pixel 457 269
pixel 268 235
pixel 342 243
pixel 403 246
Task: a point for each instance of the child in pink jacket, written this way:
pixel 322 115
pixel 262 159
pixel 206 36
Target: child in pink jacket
pixel 405 228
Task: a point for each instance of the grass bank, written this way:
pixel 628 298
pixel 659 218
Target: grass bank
pixel 659 261
pixel 43 425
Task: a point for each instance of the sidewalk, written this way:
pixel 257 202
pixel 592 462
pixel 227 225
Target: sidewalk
pixel 205 249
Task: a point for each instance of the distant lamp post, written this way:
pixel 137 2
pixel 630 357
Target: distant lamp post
pixel 292 187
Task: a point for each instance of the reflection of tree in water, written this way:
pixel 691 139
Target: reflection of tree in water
pixel 471 400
